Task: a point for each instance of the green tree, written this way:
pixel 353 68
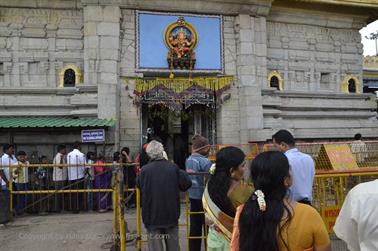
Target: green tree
pixel 374 36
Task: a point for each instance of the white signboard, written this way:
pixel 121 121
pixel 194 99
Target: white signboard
pixel 95 135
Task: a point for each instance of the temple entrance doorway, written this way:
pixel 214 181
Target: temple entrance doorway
pixel 175 129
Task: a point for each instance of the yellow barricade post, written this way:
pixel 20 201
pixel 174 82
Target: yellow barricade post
pixel 331 188
pixel 121 208
pixel 139 221
pixel 115 212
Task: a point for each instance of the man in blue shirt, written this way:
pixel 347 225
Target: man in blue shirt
pixel 302 166
pixel 197 163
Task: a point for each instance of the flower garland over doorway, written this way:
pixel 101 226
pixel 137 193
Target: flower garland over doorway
pixel 176 93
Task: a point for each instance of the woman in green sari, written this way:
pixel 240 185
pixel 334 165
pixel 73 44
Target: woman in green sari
pixel 224 192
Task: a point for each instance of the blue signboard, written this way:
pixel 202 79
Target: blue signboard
pixel 152 50
pixel 94 135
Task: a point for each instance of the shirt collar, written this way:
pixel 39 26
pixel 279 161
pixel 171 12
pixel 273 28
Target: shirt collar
pixel 291 150
pixel 197 154
pixel 9 156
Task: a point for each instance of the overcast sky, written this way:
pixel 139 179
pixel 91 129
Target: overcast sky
pixel 369 45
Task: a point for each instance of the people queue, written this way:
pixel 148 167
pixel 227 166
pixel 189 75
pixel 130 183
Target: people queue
pixel 272 211
pixel 74 170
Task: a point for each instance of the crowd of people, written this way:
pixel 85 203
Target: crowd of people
pixel 71 171
pixel 272 211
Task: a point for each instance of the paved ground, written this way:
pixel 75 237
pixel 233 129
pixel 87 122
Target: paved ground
pixel 89 231
pixel 76 232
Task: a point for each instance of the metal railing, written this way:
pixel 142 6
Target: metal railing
pixel 329 189
pixel 40 195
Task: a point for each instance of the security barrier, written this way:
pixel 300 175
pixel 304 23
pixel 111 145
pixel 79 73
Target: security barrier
pixel 250 150
pixel 39 196
pixel 339 167
pixel 354 155
pixel 44 185
pixel 189 213
pixel 330 187
pixel 329 190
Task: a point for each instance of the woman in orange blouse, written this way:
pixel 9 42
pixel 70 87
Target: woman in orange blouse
pixel 270 220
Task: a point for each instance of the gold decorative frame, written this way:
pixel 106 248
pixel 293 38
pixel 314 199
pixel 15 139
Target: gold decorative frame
pixel 187 25
pixel 344 84
pixel 77 71
pixel 280 79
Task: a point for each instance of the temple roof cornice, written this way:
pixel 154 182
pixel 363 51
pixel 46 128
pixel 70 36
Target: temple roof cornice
pixel 358 3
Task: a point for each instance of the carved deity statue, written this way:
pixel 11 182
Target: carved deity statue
pixel 180 43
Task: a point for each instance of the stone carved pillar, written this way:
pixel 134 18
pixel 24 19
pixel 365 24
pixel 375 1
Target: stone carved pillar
pixel 7 74
pixel 251 73
pixel 101 60
pixel 51 31
pixel 101 56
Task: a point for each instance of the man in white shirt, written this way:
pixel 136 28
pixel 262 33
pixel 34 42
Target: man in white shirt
pixel 76 171
pixel 302 167
pixel 6 160
pixel 359 148
pixel 60 176
pixel 357 223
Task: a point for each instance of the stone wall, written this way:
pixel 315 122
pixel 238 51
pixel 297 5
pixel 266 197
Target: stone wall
pixel 251 58
pixel 314 115
pixel 311 49
pixel 36 44
pixel 314 53
pixel 228 115
pixel 101 60
pixel 130 131
pixel 102 55
pixel 80 101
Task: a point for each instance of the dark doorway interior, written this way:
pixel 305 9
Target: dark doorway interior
pixel 175 130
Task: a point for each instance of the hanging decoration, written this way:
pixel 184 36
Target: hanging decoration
pixel 179 93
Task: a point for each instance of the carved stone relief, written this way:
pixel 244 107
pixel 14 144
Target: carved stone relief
pixel 31 30
pixel 306 31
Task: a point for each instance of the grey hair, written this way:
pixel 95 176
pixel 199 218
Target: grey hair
pixel 155 150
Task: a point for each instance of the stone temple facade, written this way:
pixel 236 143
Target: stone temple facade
pixel 310 50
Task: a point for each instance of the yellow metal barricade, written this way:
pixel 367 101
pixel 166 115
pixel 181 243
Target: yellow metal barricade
pixel 250 150
pixel 190 213
pixel 331 188
pixel 45 192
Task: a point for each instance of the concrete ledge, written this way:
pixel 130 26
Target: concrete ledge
pixel 54 4
pixel 296 94
pixel 252 7
pixel 47 90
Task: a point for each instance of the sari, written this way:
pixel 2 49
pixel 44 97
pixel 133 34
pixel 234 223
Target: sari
pixel 234 246
pixel 221 224
pixel 102 181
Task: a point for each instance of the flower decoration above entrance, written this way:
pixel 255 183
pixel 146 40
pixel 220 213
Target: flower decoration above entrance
pixel 179 93
pixel 181 39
